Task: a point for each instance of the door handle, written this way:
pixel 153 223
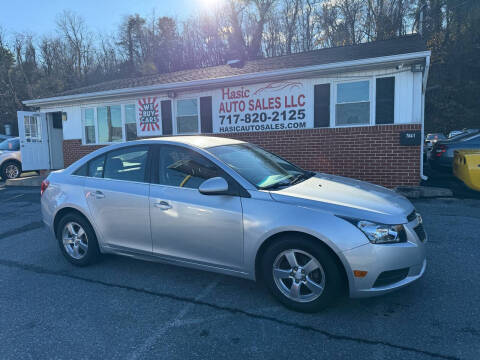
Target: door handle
pixel 99 195
pixel 163 205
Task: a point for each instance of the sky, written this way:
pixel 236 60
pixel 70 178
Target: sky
pixel 37 17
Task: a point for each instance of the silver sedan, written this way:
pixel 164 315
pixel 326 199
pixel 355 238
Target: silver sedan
pixel 231 207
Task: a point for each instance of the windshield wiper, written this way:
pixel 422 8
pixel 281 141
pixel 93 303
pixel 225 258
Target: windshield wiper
pixel 301 177
pixel 292 181
pixel 276 185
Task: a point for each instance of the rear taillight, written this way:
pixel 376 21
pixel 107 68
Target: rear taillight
pixel 440 149
pixel 44 186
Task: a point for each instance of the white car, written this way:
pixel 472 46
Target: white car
pixel 10 159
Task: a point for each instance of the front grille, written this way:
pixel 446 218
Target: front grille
pixel 391 277
pixel 412 216
pixel 420 231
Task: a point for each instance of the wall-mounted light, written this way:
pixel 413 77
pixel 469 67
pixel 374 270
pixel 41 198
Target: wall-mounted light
pixel 64 116
pixel 417 68
pixel 171 94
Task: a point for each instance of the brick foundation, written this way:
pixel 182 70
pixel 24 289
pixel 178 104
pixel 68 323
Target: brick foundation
pixel 370 153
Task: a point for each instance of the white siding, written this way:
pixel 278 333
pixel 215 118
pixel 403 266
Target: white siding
pixel 408 97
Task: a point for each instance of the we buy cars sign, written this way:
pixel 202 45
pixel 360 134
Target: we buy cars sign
pixel 148 117
pixel 262 107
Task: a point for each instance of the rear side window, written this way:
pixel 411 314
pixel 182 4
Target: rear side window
pixel 127 164
pixel 95 167
pixel 185 168
pixel 82 171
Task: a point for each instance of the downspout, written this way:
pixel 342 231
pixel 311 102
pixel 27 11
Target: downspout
pixel 424 89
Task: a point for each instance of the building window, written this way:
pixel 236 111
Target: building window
pixel 353 103
pixel 89 126
pixel 33 129
pixel 187 116
pixel 130 123
pixel 109 120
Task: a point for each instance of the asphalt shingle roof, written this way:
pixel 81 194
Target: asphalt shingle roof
pixel 400 45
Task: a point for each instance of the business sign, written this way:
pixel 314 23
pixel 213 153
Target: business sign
pixel 148 117
pixel 263 107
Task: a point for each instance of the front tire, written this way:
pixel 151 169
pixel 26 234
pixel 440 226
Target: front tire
pixel 301 273
pixel 77 240
pixel 11 170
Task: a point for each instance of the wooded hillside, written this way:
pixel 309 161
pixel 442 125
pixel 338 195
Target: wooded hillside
pixel 36 65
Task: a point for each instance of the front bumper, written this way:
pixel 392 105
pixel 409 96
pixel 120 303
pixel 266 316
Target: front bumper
pixel 408 259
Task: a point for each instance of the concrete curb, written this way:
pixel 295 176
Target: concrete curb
pixel 34 181
pixel 417 192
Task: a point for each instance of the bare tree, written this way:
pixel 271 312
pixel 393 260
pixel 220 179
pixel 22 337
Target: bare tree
pixel 73 29
pixel 272 36
pixel 307 25
pixel 236 41
pixel 386 19
pixel 290 11
pixel 25 56
pixel 263 8
pixel 130 39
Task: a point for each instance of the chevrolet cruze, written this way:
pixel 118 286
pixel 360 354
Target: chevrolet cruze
pixel 231 207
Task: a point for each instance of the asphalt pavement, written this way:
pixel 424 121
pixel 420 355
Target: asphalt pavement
pixel 127 309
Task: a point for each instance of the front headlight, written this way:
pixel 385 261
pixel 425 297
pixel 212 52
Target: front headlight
pixel 380 233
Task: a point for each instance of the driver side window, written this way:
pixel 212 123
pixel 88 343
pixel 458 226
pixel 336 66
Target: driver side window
pixel 182 167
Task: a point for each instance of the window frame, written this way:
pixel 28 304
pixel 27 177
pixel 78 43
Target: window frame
pixel 371 96
pixel 148 165
pixel 234 188
pixel 147 175
pixel 175 111
pixel 122 123
pixel 122 105
pixel 34 122
pixel 124 119
pixel 95 127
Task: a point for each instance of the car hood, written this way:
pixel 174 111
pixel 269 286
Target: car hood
pixel 349 198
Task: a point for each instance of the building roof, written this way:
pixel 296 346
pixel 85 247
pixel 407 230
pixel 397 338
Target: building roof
pixel 377 49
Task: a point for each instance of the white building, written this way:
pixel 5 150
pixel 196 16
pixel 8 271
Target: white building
pixel 355 110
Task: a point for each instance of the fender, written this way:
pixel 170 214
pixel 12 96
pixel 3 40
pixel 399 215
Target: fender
pixel 264 218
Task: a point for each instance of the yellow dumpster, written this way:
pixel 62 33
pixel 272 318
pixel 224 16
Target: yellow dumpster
pixel 466 167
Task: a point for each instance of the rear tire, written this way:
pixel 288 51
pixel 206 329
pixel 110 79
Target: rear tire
pixel 77 240
pixel 301 273
pixel 11 170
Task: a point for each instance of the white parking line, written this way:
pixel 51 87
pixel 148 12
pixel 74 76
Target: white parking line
pixel 176 322
pixel 14 197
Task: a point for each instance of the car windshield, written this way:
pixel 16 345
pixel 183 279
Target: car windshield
pixel 435 137
pixel 10 144
pixel 263 169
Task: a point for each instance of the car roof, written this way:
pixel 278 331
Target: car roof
pixel 197 140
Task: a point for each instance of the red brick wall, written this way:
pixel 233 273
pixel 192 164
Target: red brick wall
pixel 370 153
pixel 74 150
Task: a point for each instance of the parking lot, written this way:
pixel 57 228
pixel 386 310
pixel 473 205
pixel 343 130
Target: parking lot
pixel 128 309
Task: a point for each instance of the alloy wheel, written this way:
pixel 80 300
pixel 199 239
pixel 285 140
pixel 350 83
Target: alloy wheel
pixel 12 171
pixel 75 240
pixel 299 275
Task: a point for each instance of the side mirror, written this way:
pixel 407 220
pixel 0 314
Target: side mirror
pixel 214 186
